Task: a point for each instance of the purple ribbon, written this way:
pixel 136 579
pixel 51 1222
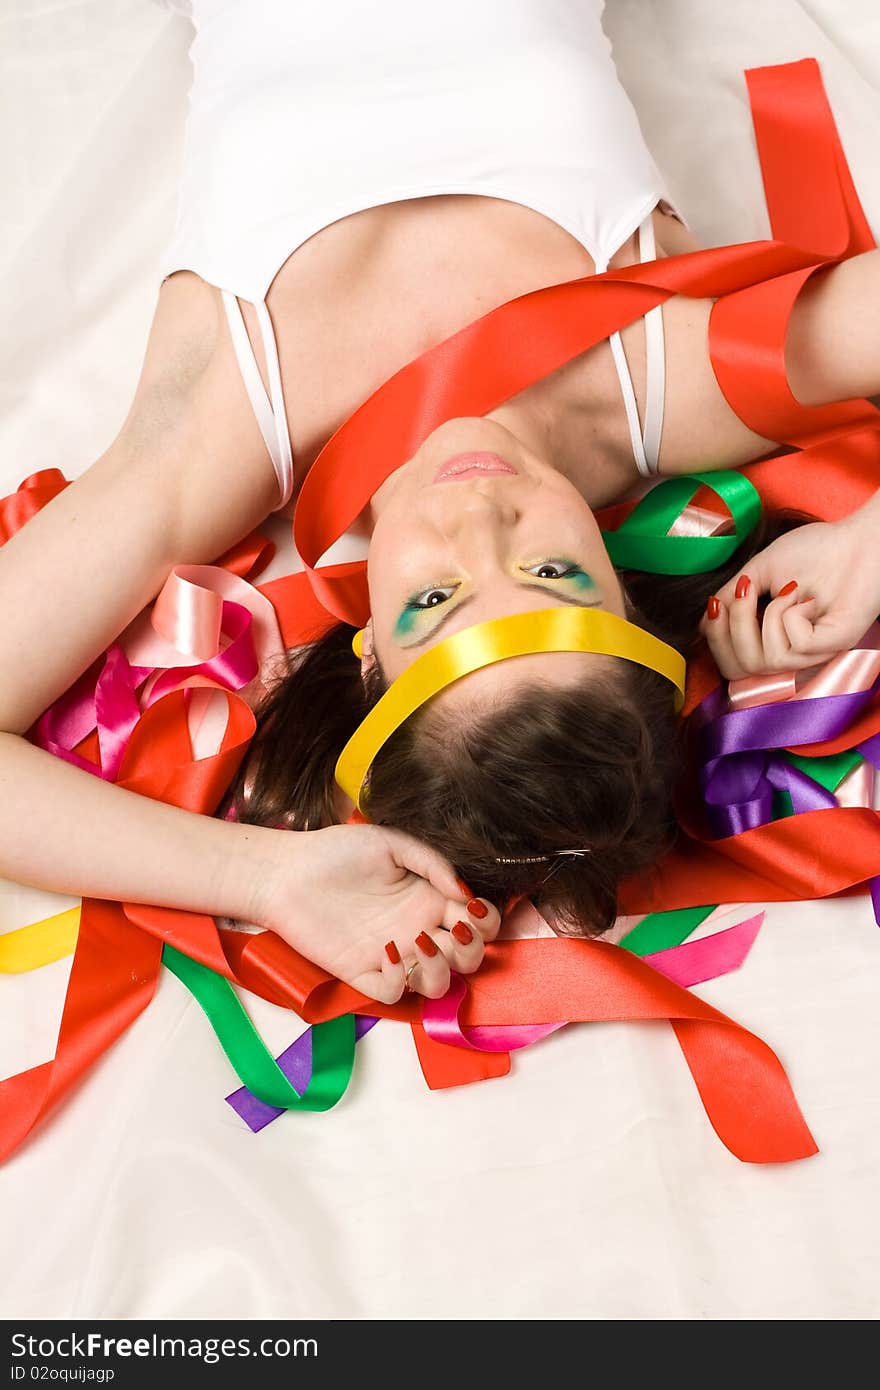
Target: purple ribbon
pixel 296 1063
pixel 741 765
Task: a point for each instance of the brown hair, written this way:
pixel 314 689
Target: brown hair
pixel 555 768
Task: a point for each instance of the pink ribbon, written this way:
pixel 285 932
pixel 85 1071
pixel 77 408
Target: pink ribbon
pixel 208 612
pixel 188 616
pixel 699 521
pixel 694 962
pixel 844 674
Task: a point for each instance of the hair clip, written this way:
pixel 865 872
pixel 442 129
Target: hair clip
pixel 541 858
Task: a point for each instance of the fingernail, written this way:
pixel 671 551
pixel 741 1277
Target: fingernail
pixel 427 944
pixel 477 909
pixel 392 952
pixel 465 891
pixel 713 607
pixel 462 932
pixel 743 584
pixel 788 588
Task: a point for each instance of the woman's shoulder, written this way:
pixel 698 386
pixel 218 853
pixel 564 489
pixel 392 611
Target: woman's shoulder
pixel 185 339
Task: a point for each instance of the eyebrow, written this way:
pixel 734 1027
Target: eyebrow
pixel 459 607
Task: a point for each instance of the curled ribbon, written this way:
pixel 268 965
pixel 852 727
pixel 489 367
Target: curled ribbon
pixel 645 540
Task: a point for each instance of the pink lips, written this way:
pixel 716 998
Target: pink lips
pixel 472 466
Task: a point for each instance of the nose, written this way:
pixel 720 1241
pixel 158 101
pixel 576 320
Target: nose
pixel 480 503
pixel 479 521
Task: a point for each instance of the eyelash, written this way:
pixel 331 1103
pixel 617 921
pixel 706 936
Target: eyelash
pixel 419 604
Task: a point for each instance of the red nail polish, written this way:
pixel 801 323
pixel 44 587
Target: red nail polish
pixel 462 932
pixel 426 944
pixel 788 588
pixel 713 607
pixel 477 909
pixel 392 952
pixel 743 584
pixel 465 891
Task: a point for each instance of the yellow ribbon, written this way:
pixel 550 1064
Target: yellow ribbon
pixel 521 634
pixel 40 943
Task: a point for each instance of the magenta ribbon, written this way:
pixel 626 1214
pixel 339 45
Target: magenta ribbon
pixel 107 699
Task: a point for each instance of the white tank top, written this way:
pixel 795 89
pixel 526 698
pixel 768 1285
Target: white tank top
pixel 303 113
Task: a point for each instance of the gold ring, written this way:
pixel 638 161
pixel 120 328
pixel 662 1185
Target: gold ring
pixel 407 987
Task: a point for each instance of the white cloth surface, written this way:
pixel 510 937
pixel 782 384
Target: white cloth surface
pixel 588 1184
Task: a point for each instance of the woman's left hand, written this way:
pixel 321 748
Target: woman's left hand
pixel 824 582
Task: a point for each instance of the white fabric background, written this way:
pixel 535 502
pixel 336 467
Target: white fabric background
pixel 588 1184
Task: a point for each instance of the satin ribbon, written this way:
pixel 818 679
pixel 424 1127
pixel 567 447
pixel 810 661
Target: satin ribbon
pixel 524 983
pixel 660 931
pixel 741 767
pixel 298 1064
pixel 332 1043
pixel 116 961
pixel 846 673
pixel 116 965
pixel 188 615
pixel 40 943
pixel 111 697
pixel 644 540
pixel 687 964
pixel 473 648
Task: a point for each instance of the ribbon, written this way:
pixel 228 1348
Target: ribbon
pixel 40 943
pixel 534 983
pixel 470 649
pixel 116 965
pixel 332 1043
pixel 644 541
pixel 298 1063
pixel 688 964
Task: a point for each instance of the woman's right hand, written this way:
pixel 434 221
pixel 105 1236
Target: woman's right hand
pixel 352 897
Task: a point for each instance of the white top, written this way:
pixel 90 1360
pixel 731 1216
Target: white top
pixel 301 114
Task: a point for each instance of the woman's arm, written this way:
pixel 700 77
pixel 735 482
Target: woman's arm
pixel 187 477
pixel 832 351
pixel 832 354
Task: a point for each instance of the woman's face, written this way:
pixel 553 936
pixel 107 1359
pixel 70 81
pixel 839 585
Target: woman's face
pixel 473 527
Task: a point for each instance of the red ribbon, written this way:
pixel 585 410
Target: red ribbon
pixel 816 220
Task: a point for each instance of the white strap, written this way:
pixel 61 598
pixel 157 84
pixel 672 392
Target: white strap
pixel 655 360
pixel 630 405
pixel 250 375
pixel 645 443
pixel 285 470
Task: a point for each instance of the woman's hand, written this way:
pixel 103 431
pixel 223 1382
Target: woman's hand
pixel 824 583
pixel 353 897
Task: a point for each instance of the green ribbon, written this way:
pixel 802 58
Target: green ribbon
pixel 642 541
pixel 660 930
pixel 828 771
pixel 253 1063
